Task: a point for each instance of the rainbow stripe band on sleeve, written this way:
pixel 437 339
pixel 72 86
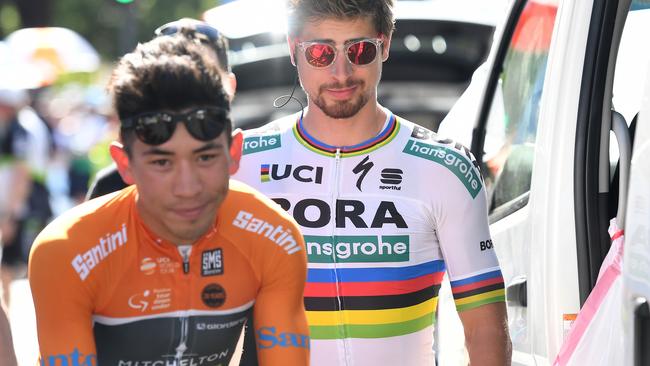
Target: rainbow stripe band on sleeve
pixel 478 290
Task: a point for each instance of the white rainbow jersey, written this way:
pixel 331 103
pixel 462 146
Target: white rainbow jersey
pixel 382 221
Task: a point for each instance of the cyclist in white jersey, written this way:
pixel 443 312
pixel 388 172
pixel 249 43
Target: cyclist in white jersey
pixel 385 205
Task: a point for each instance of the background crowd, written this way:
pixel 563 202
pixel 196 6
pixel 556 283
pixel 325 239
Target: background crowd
pixel 55 118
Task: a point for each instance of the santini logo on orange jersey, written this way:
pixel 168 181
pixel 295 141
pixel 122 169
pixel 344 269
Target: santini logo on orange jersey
pixel 84 263
pixel 277 234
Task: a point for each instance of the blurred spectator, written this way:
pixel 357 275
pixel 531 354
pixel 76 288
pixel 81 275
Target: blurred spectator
pixel 7 354
pixel 24 200
pixel 82 125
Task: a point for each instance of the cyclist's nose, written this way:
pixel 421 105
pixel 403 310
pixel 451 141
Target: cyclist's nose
pixel 341 68
pixel 188 181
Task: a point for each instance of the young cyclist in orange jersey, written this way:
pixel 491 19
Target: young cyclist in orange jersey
pixel 166 271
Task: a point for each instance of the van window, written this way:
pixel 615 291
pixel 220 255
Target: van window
pixel 631 63
pixel 628 86
pixel 510 141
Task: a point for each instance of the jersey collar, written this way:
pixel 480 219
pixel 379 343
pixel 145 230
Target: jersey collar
pixel 387 134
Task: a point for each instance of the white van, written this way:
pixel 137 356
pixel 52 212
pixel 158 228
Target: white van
pixel 561 76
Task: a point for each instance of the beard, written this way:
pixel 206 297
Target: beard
pixel 341 109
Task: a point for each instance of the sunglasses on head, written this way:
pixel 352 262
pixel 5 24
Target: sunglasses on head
pixel 359 52
pixel 201 30
pixel 155 128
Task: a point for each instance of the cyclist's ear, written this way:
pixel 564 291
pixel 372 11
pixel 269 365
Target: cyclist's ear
pixel 385 48
pixel 236 150
pixel 121 159
pixel 291 42
pixel 230 84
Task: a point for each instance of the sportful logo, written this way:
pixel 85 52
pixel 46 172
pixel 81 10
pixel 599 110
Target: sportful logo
pixel 392 178
pixel 452 160
pixel 255 144
pixel 301 173
pixel 277 234
pixel 357 248
pixel 363 167
pixel 85 262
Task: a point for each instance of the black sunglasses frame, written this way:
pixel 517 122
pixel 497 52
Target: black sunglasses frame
pixel 156 128
pixel 210 33
pixel 201 32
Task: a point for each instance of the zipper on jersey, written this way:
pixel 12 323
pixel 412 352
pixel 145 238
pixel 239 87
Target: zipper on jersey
pixel 182 345
pixel 337 283
pixel 185 252
pixel 335 196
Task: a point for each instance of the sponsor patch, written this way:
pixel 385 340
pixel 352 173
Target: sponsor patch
pixel 276 233
pixel 357 248
pixel 73 358
pixel 362 169
pixel 213 295
pixel 148 266
pixel 486 245
pixel 221 326
pixel 169 360
pixel 391 178
pixel 347 212
pixel 162 265
pixel 156 299
pixel 301 173
pixel 211 262
pixel 254 144
pixel 268 337
pixel 459 165
pixel 85 262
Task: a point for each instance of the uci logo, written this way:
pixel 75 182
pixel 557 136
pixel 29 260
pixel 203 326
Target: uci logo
pixel 301 173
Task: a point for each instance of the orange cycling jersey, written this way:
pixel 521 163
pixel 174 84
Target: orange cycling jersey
pixel 107 291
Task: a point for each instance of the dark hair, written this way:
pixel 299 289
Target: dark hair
pixel 301 11
pixel 166 74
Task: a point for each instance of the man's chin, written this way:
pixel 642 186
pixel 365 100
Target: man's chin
pixel 190 231
pixel 341 109
pixel 191 234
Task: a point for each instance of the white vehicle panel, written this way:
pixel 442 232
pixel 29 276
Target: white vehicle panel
pixel 636 257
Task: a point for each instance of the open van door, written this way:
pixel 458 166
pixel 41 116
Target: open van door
pixel 542 133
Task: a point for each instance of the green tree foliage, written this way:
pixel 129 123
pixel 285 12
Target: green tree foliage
pixel 114 28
